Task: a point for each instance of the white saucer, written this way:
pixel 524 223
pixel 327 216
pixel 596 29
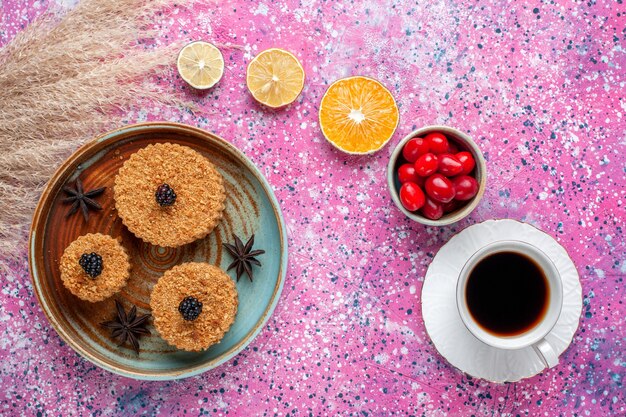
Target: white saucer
pixel 443 323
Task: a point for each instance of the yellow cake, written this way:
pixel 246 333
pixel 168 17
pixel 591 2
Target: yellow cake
pixel 169 195
pixel 94 267
pixel 206 286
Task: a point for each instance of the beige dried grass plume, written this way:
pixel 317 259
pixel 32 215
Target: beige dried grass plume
pixel 63 79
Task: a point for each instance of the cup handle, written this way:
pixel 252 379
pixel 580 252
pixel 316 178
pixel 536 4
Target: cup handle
pixel 547 353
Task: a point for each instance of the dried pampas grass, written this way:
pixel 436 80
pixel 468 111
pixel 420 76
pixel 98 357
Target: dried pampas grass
pixel 63 79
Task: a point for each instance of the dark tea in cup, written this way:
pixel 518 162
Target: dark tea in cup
pixel 507 293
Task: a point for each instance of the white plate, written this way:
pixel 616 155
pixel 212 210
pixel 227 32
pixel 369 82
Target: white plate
pixel 443 323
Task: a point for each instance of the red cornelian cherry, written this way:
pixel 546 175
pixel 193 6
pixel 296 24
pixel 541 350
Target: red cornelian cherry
pixel 449 165
pixel 411 196
pixel 406 173
pixel 426 165
pixel 451 206
pixel 414 148
pixel 465 187
pixel 432 209
pixel 467 160
pixel 437 143
pixel 439 188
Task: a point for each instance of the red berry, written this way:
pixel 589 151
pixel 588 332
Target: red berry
pixel 452 148
pixel 451 206
pixel 439 188
pixel 467 160
pixel 437 143
pixel 465 187
pixel 449 165
pixel 414 148
pixel 406 173
pixel 426 165
pixel 432 209
pixel 420 181
pixel 411 196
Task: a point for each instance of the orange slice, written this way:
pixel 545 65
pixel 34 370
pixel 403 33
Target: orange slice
pixel 200 64
pixel 358 115
pixel 275 77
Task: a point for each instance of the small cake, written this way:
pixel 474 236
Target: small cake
pixel 194 305
pixel 169 195
pixel 94 267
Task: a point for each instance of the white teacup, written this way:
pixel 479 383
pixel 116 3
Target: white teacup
pixel 534 336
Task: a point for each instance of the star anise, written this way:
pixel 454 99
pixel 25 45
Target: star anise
pixel 127 327
pixel 83 199
pixel 244 256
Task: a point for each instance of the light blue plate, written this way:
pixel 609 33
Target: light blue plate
pixel 251 208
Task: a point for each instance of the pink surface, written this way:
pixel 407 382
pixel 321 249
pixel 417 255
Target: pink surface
pixel 540 87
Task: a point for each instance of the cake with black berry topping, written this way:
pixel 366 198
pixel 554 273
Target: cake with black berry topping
pixel 94 267
pixel 194 305
pixel 169 195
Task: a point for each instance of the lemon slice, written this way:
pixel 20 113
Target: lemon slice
pixel 358 115
pixel 275 77
pixel 200 64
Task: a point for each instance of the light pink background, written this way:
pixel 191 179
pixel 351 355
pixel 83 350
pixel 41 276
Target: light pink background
pixel 539 86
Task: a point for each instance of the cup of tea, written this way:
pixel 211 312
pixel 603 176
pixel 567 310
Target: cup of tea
pixel 509 295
